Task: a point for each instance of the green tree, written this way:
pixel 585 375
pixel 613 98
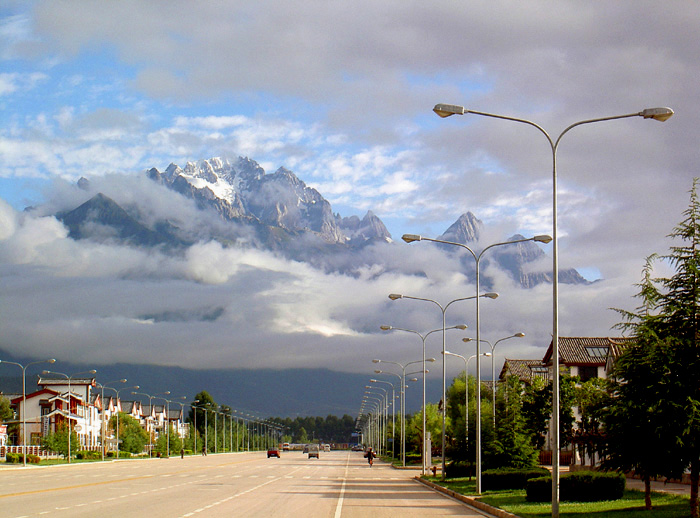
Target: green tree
pixel 667 331
pixel 433 425
pixel 512 446
pixel 537 409
pixel 58 441
pixel 132 436
pixel 592 400
pixel 6 412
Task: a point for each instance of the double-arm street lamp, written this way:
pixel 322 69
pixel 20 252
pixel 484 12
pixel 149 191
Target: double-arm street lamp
pixel 659 114
pixel 393 411
pixel 24 403
pixel 135 387
pixel 493 368
pixel 102 402
pixel 466 389
pixel 410 238
pixel 68 415
pixel 423 337
pixel 394 296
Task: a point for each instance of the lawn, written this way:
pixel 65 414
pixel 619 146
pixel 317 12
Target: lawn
pixel 630 506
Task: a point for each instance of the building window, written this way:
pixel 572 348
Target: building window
pixel 597 352
pixel 586 372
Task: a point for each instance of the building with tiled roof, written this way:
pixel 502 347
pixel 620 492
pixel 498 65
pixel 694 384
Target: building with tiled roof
pixel 525 370
pixel 587 357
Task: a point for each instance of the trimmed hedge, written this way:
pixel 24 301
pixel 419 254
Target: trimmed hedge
pixel 580 486
pixel 459 469
pixel 16 458
pixel 510 478
pixel 88 455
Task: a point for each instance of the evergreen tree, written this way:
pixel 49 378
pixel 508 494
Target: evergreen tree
pixel 667 328
pixel 513 446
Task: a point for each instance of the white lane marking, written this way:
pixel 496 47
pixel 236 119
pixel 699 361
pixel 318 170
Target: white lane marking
pixel 341 497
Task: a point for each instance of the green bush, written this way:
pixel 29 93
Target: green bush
pixel 13 458
pixel 591 486
pixel 33 459
pixel 581 486
pixel 459 469
pixel 88 454
pixel 510 478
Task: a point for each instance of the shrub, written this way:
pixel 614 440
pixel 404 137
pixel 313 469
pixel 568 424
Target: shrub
pixel 88 454
pixel 13 458
pixel 459 469
pixel 591 486
pixel 33 459
pixel 510 478
pixel 581 486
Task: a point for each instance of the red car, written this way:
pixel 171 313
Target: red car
pixel 273 452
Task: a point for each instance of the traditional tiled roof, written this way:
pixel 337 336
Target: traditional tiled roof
pixel 586 350
pixel 523 369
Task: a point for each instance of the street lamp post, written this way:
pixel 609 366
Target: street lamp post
pixel 493 369
pixel 102 421
pixel 403 386
pixel 151 438
pixel 24 402
pixel 393 412
pixel 70 432
pixel 166 421
pixel 423 337
pixel 386 410
pixel 660 114
pixel 135 387
pixel 410 238
pixel 466 389
pixel 394 296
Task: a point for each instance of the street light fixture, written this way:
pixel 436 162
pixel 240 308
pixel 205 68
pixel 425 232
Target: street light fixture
pixel 24 402
pixel 659 114
pixel 493 370
pixel 102 421
pixel 410 238
pixel 423 337
pixel 466 390
pixel 70 430
pixel 135 387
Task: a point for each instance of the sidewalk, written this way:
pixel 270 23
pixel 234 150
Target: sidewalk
pixel 661 487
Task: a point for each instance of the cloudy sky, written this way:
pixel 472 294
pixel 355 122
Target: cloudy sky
pixel 341 93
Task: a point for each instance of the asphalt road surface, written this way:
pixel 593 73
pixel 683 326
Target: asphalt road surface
pixel 338 485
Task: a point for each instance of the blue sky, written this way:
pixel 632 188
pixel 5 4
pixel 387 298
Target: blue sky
pixel 341 94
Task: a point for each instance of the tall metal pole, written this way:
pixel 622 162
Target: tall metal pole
pixel 660 114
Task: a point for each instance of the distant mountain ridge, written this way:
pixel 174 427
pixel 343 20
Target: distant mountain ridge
pixel 277 212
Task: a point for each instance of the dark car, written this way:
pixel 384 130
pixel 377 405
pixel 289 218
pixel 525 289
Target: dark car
pixel 273 452
pixel 357 447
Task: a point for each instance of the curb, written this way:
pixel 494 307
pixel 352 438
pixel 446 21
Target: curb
pixel 474 502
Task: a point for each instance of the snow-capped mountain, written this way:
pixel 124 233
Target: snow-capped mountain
pixel 241 189
pixel 241 205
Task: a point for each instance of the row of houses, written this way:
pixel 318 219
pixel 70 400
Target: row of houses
pixel 83 404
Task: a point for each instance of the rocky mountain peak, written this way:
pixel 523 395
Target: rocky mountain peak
pixel 465 230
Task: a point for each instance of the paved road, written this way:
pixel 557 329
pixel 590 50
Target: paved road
pixel 338 485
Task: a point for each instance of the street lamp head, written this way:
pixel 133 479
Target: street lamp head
pixel 445 110
pixel 542 239
pixel 519 335
pixel 51 360
pixel 487 354
pixel 376 361
pixel 490 295
pixel 467 339
pixel 93 371
pixel 385 328
pixel 394 296
pixel 659 114
pixel 410 238
pixel 413 379
pixel 430 360
pixel 372 381
pixel 377 372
